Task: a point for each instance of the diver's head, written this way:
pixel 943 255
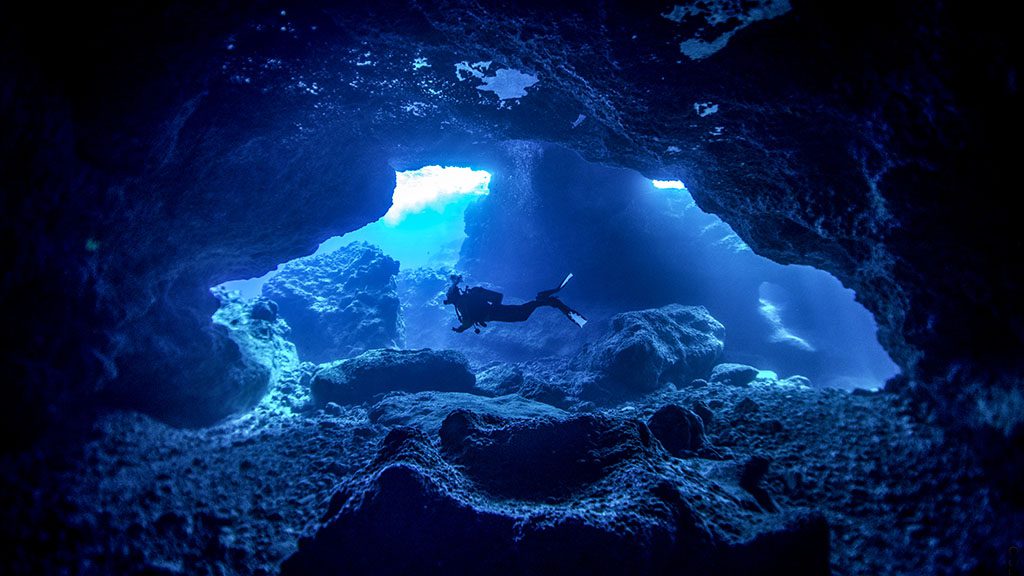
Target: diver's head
pixel 453 294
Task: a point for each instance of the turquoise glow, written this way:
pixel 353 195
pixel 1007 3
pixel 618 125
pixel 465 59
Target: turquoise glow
pixel 669 184
pixel 425 225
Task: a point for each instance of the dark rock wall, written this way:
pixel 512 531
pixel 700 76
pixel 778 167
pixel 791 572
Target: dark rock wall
pixel 194 144
pixel 136 176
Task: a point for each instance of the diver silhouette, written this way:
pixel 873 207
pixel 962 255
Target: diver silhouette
pixel 477 306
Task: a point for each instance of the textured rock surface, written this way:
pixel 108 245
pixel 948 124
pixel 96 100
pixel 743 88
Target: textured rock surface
pixel 733 374
pixel 679 430
pixel 427 410
pixel 557 481
pixel 341 303
pixel 547 381
pixel 261 340
pixel 178 146
pixel 144 497
pixel 647 348
pixel 833 144
pixel 380 371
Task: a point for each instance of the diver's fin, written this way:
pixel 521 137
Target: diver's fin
pixel 577 318
pixel 553 291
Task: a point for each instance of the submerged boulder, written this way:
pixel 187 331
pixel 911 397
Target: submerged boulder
pixel 574 494
pixel 341 303
pixel 545 381
pixel 733 374
pixel 543 459
pixel 647 348
pixel 679 430
pixel 427 410
pixel 379 371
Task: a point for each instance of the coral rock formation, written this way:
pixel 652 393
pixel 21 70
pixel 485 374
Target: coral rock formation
pixel 341 303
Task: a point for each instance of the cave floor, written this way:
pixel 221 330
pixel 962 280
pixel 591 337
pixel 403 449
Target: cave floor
pixel 139 496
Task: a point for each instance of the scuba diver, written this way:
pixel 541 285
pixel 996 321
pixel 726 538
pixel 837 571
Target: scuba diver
pixel 477 306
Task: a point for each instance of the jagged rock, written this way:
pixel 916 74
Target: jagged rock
pixel 646 348
pixel 679 430
pixel 339 304
pixel 540 460
pixel 378 371
pixel 704 412
pixel 547 392
pixel 261 342
pixel 501 378
pixel 263 309
pixel 427 410
pixel 546 496
pixel 754 470
pixel 427 319
pixel 746 406
pixel 543 381
pixel 733 374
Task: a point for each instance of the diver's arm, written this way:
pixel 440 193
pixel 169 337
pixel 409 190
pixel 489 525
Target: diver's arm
pixel 465 326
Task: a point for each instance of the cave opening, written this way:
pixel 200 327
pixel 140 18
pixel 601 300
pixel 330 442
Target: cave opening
pixel 786 320
pixel 716 415
pixel 423 226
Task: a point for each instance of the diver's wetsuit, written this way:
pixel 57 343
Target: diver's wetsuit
pixel 478 306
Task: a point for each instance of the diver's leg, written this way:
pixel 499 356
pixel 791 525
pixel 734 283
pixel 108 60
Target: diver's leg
pixel 571 314
pixel 548 293
pixel 513 312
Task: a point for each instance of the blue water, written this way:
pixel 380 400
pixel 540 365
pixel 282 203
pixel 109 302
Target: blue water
pixel 804 320
pixel 424 227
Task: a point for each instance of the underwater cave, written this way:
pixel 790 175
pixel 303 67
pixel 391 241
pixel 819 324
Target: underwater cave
pixel 284 295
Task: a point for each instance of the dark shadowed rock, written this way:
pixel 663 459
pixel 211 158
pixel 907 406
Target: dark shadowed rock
pixel 706 415
pixel 540 459
pixel 679 430
pixel 378 371
pixel 751 477
pixel 341 303
pixel 427 410
pixel 263 309
pixel 746 406
pixel 733 374
pixel 546 496
pixel 646 348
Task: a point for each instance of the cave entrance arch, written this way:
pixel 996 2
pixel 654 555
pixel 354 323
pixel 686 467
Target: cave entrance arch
pixel 632 242
pixel 423 227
